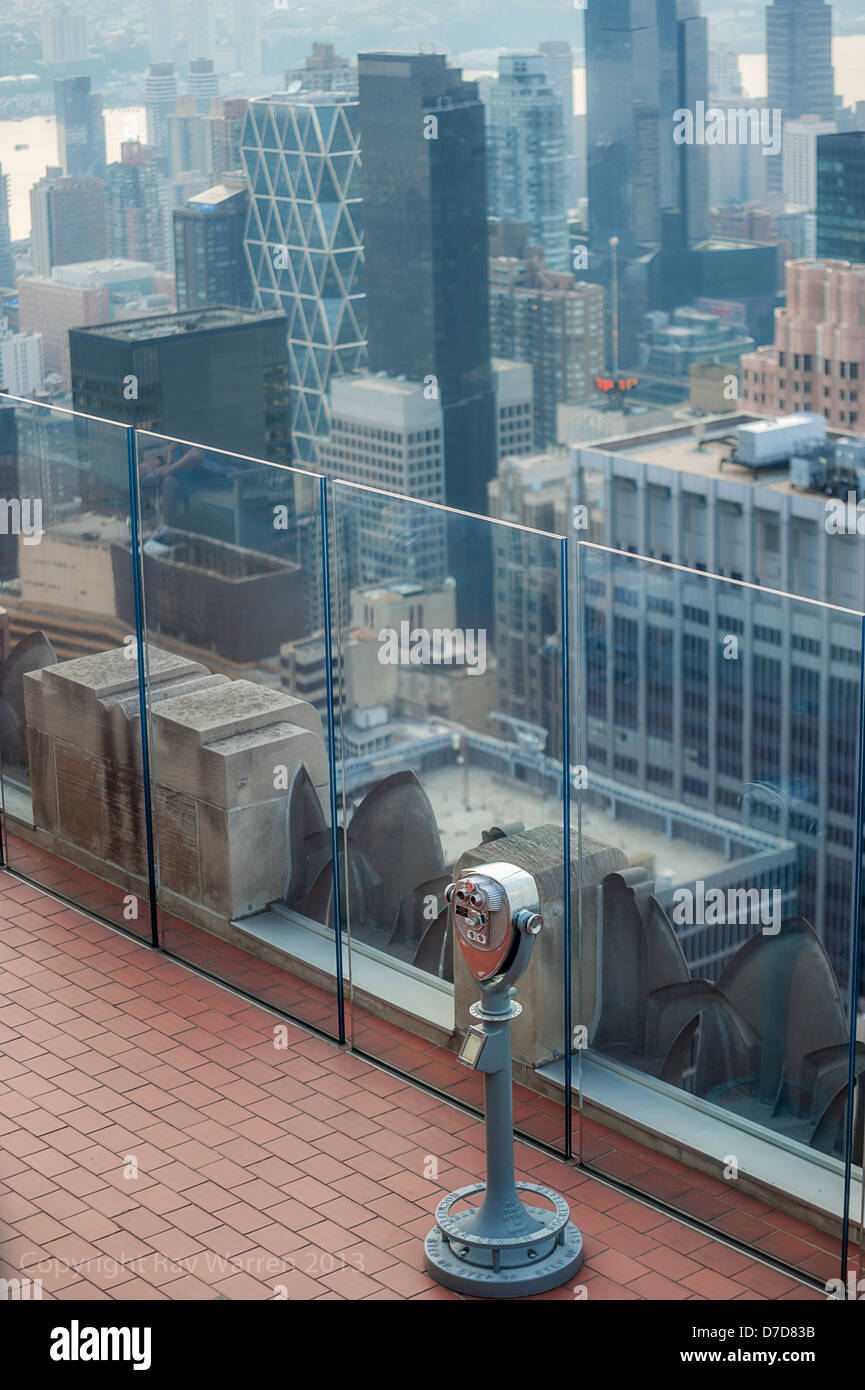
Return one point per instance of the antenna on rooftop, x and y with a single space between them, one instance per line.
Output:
614 304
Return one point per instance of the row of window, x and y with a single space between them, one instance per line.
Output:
803 362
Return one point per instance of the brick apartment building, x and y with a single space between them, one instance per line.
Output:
817 362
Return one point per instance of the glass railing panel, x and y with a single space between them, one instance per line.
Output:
232 562
70 741
451 726
719 810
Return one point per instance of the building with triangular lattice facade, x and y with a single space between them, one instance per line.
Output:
304 243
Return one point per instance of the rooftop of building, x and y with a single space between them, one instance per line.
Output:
535 469
398 590
100 272
719 243
212 197
704 448
377 399
184 322
303 97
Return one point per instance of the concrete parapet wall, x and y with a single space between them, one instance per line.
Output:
539 1033
223 754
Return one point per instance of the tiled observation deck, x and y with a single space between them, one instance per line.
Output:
154 1143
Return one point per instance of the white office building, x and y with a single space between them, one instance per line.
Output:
515 421
387 433
800 159
22 370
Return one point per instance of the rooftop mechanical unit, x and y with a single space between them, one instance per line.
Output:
836 469
772 442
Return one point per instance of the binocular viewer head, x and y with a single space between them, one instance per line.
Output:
495 915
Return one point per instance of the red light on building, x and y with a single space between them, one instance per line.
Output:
624 383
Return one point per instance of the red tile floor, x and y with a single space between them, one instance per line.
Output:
156 1144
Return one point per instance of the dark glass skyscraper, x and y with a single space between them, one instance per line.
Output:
628 87
841 196
216 376
427 276
801 80
209 259
645 60
692 52
80 128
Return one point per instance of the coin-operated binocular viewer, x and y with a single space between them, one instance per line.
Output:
504 1248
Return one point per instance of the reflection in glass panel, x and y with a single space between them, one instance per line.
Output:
237 691
451 757
720 738
70 729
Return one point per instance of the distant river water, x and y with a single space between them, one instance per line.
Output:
848 56
38 135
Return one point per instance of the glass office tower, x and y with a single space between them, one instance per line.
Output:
526 147
425 224
304 243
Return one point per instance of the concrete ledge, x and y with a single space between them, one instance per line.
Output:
668 1121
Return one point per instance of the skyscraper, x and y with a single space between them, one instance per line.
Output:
559 64
625 101
817 362
800 159
304 243
80 128
64 35
801 80
68 221
645 60
692 49
387 434
556 324
188 139
225 126
160 100
22 369
209 261
7 265
426 238
841 196
203 84
136 196
323 71
217 376
526 148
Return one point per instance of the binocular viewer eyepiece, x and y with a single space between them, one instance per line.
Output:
504 1248
495 914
